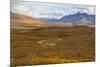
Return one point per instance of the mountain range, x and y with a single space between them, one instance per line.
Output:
19 20
76 18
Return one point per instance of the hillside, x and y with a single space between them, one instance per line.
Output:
22 20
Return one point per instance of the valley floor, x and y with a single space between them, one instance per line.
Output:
52 45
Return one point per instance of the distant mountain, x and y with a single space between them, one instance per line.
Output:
76 18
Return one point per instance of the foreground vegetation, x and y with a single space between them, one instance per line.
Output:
52 45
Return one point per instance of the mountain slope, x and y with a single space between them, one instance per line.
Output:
22 20
76 18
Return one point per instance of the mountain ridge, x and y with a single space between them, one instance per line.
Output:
75 18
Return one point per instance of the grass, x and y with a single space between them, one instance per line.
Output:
73 44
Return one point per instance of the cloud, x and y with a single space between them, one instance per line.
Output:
49 10
91 10
20 9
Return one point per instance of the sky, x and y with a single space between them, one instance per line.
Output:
49 10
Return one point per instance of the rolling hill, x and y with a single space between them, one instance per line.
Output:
19 20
